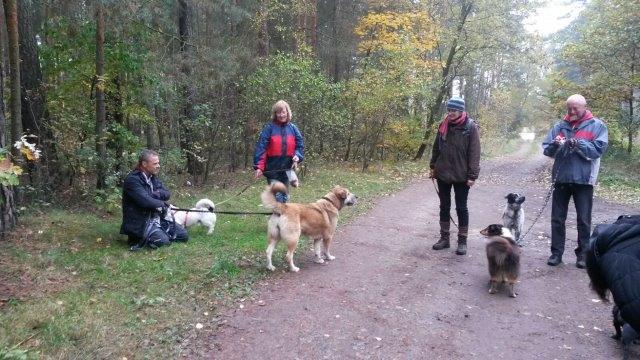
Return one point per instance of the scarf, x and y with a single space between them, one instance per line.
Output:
444 125
573 123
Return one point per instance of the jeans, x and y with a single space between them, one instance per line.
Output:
461 191
583 199
280 196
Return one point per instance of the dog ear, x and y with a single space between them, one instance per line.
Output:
340 192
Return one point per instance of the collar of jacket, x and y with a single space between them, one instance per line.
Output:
582 125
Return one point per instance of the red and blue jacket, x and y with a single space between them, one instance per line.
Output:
579 164
275 149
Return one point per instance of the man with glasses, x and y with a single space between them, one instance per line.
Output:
576 143
455 163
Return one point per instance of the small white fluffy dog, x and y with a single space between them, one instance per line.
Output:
190 218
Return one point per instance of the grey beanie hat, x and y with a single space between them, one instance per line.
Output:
456 103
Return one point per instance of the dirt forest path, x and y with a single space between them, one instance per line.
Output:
389 296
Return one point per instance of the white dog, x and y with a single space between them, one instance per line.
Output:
204 216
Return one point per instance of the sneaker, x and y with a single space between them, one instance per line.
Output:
554 260
580 263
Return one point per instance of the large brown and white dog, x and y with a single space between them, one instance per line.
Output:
316 220
503 255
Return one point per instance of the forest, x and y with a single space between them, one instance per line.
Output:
89 83
86 84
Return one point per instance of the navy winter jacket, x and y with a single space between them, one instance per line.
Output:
580 164
139 202
617 251
276 146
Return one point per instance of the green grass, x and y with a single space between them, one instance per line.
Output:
80 293
619 177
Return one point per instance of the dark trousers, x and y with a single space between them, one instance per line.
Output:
280 196
461 191
583 200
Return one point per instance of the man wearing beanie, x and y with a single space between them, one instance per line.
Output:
455 163
576 143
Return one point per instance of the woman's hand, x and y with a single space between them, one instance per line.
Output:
470 183
258 173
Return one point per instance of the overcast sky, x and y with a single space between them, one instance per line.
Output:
553 16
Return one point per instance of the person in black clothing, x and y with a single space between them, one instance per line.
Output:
144 201
455 164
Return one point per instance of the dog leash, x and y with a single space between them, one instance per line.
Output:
544 205
224 212
438 192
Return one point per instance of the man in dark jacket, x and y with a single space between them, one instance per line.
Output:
613 264
576 143
144 200
455 162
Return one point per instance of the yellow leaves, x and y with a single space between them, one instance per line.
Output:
393 31
29 154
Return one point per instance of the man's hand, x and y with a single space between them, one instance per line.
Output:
296 158
559 139
470 183
258 173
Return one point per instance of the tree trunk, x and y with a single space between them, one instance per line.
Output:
101 148
314 26
434 109
335 40
632 126
263 33
30 72
188 88
116 111
7 204
11 13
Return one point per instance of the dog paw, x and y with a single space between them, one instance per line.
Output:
513 295
330 257
271 267
295 269
492 291
319 260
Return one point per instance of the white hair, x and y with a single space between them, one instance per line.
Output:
576 99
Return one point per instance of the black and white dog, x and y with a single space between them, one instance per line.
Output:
513 216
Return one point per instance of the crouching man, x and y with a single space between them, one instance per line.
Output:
144 201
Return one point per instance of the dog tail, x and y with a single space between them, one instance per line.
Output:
205 204
268 197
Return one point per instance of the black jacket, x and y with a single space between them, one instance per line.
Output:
617 251
139 203
456 159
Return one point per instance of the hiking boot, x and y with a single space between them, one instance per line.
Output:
444 242
462 241
554 260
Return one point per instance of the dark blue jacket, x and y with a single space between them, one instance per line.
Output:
617 252
578 165
276 146
139 203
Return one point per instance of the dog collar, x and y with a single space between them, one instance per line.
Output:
329 200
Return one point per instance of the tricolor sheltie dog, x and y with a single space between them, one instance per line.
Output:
503 255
